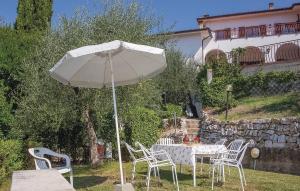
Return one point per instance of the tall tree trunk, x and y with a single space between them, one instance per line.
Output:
92 137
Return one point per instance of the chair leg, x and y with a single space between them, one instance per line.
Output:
154 172
71 177
241 166
148 178
133 172
241 178
213 177
173 175
223 173
201 170
176 179
158 174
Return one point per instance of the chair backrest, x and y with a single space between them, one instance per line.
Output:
149 158
221 142
165 141
37 153
234 148
130 150
242 152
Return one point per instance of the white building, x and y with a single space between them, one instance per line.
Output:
270 37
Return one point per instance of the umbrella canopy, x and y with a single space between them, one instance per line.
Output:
89 66
112 64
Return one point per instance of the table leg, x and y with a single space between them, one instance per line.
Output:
194 174
180 169
194 170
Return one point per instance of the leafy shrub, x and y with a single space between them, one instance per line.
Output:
142 125
179 78
11 157
243 84
170 109
214 94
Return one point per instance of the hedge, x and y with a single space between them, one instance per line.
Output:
142 125
11 157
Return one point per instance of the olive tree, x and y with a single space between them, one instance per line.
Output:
48 109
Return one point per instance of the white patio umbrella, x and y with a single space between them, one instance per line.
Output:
109 64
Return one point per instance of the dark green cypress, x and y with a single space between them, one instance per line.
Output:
34 15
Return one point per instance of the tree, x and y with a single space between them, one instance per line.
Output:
6 117
179 79
34 15
49 108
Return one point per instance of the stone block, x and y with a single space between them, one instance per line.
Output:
292 139
274 138
278 145
268 144
281 139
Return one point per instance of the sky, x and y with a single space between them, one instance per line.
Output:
180 13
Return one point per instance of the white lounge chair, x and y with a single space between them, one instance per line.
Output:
156 160
43 163
233 158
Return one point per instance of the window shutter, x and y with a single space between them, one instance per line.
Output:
241 32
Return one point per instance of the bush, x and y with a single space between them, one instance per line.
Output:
179 78
170 109
244 84
214 94
142 125
11 157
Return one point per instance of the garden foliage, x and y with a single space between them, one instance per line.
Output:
142 125
11 157
34 15
214 94
63 117
179 78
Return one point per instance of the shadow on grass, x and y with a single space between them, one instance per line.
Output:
88 181
292 103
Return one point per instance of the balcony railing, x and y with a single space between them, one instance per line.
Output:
288 51
258 31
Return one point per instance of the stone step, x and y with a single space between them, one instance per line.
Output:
192 123
193 130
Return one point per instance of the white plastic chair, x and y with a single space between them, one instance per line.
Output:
158 159
233 158
135 158
43 163
165 141
220 142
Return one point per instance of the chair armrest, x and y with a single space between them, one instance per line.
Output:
59 155
161 153
44 159
138 151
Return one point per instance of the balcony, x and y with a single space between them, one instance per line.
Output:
283 56
258 31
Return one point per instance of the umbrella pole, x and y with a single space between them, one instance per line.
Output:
116 118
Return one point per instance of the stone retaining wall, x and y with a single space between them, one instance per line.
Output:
268 133
277 139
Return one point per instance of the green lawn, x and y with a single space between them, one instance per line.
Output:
286 105
104 177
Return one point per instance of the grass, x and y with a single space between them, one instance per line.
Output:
286 105
104 178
